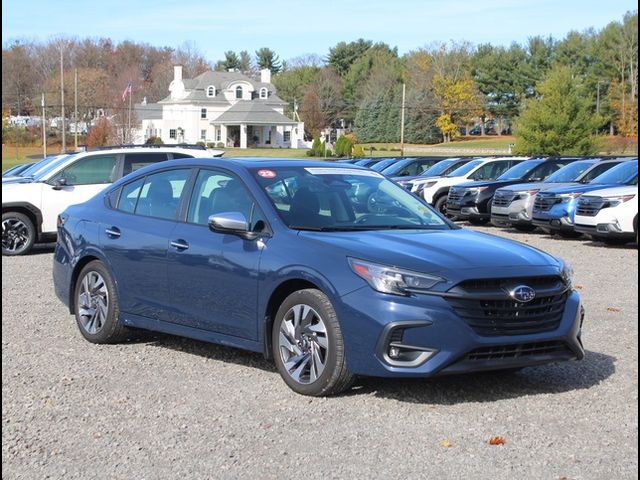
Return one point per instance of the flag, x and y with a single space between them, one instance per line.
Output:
127 91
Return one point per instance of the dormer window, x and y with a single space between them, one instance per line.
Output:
238 91
263 92
211 91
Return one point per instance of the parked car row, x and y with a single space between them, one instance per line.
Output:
553 194
33 198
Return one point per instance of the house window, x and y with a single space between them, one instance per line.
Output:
218 134
211 91
172 133
203 134
238 91
287 136
203 113
263 92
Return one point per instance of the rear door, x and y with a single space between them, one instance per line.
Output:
135 238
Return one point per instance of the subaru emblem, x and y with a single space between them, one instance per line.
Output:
523 293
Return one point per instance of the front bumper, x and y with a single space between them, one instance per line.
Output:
517 213
557 219
431 325
604 230
466 211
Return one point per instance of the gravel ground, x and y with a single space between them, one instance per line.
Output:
165 407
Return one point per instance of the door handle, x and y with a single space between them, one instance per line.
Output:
113 232
179 244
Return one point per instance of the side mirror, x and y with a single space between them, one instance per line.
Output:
234 223
60 183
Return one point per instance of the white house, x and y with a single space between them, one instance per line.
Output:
227 109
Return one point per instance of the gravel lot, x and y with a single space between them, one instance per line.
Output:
165 407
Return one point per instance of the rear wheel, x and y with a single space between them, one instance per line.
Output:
307 345
18 234
96 305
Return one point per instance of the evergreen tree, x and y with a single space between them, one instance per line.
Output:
266 58
559 121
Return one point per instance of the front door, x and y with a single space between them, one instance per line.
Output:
213 277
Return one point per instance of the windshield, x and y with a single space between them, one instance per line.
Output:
623 173
27 172
442 167
344 199
396 167
464 169
47 165
569 173
518 171
367 162
378 167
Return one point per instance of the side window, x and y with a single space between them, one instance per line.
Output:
498 168
129 196
135 161
97 169
218 192
483 172
180 155
596 171
160 194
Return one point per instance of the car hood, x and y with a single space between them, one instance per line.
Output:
435 251
518 187
582 187
615 191
17 180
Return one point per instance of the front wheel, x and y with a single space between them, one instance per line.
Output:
18 234
308 347
96 305
441 205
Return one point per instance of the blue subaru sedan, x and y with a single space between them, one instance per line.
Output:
272 256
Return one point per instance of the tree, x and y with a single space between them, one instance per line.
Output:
245 64
344 54
311 114
230 62
100 135
559 121
292 84
266 58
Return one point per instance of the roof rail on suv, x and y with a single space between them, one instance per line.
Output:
160 145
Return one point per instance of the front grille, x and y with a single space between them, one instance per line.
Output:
544 202
487 307
503 199
455 195
589 206
501 352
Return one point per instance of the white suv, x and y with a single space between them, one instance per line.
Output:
610 214
435 189
31 206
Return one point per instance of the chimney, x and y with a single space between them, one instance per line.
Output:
265 75
177 72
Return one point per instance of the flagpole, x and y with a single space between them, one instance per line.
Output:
129 121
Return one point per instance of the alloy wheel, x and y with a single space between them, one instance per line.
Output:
93 302
303 344
15 235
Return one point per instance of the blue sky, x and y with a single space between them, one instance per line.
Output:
293 28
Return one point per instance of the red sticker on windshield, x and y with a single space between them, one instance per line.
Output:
267 173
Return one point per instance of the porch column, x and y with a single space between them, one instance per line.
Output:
223 134
243 135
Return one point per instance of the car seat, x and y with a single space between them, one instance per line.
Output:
305 209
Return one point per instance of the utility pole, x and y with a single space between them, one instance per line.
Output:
64 138
75 110
128 135
44 129
402 122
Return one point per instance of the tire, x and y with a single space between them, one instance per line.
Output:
96 305
441 205
569 234
307 345
18 234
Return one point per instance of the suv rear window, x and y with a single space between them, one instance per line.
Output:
136 161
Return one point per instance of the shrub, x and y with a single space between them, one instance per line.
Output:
201 144
101 134
344 146
219 145
153 141
357 151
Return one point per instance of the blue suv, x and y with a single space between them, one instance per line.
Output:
272 256
554 209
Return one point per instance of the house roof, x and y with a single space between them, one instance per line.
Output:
196 88
255 112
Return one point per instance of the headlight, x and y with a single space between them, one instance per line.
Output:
391 279
567 197
475 191
610 202
566 273
526 194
